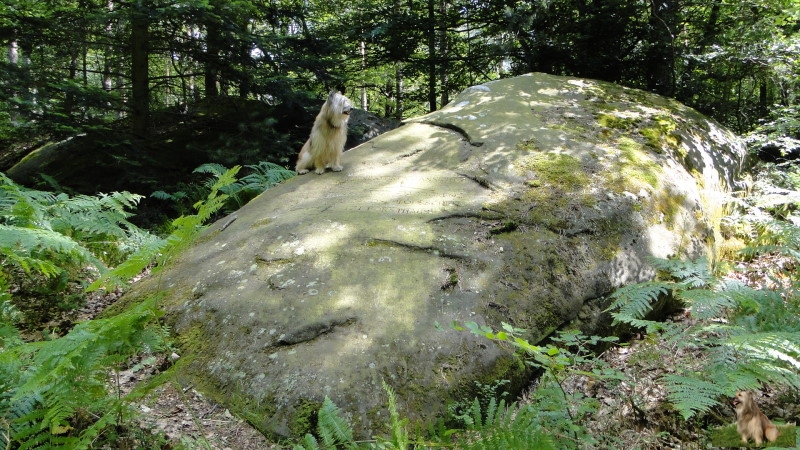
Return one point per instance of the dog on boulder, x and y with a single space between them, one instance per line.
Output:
324 147
751 422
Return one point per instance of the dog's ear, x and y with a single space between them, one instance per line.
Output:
333 94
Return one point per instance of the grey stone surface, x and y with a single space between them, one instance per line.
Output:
522 201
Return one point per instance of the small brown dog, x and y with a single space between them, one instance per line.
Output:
328 135
751 422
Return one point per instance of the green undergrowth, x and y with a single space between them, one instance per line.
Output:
493 426
728 437
555 418
64 391
730 345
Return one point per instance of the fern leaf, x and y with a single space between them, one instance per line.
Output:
332 428
400 439
31 245
775 354
510 428
633 302
211 168
265 175
705 303
691 395
309 443
147 253
492 412
694 274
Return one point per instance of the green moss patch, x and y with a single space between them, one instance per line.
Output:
304 419
728 437
614 121
554 170
634 168
661 133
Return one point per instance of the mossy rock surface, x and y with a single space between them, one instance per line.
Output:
525 201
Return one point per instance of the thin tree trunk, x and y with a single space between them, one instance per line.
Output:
661 56
398 79
13 53
431 31
213 38
363 46
444 49
140 70
13 59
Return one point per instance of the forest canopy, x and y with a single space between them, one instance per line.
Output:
78 65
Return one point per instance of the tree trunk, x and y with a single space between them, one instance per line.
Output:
140 69
108 52
431 32
213 44
363 47
444 49
661 56
13 53
398 79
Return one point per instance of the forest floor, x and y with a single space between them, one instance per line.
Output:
634 411
181 415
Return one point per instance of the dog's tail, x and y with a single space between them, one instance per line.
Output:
772 433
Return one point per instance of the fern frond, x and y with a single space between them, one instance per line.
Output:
309 443
31 246
22 207
400 439
705 303
333 429
505 427
691 395
211 168
766 310
149 251
71 372
265 175
690 273
632 303
101 215
775 234
672 333
206 209
776 354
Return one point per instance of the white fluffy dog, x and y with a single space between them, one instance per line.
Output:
325 145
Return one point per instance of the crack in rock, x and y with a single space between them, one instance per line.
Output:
455 128
427 249
312 331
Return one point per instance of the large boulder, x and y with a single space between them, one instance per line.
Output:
526 200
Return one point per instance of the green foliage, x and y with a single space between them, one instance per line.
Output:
485 393
739 340
49 243
717 56
555 410
156 251
332 429
261 176
632 303
496 426
398 439
56 392
728 437
500 426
